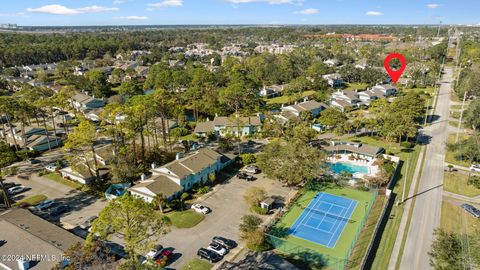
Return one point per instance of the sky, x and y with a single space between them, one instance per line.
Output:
184 12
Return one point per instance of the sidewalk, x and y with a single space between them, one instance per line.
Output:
461 197
406 211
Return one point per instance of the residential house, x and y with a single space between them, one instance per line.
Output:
311 106
271 91
32 241
265 260
377 92
334 80
222 125
181 174
343 99
82 101
93 114
83 173
32 138
360 150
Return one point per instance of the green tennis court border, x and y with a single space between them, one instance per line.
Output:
334 258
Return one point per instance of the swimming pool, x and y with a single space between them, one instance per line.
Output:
339 167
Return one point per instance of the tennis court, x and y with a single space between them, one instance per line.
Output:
324 219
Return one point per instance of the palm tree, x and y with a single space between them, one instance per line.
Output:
183 198
159 201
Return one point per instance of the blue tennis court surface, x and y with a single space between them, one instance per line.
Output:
324 219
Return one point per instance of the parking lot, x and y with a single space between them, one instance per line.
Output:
82 205
228 206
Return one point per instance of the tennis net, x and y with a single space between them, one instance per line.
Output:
329 215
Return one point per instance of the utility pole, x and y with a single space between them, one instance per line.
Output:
461 116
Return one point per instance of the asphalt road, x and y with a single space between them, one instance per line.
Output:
427 208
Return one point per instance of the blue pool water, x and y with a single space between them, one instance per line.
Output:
339 167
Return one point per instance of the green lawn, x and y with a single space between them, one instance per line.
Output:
197 264
457 183
287 99
32 200
185 219
189 137
450 155
428 89
358 86
59 179
455 219
344 243
367 233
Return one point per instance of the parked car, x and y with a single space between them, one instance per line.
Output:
242 175
471 209
7 185
208 255
88 223
217 248
200 208
45 205
251 169
34 161
152 254
475 168
53 167
16 190
224 242
164 257
59 210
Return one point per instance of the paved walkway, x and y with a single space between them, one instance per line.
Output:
475 199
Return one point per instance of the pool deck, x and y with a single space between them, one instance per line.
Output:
373 169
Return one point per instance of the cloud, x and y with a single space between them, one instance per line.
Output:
167 3
18 14
270 2
308 11
374 13
63 10
433 5
118 2
133 18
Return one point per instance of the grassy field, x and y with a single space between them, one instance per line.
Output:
288 99
185 219
450 156
457 183
344 242
455 219
428 89
366 235
59 179
197 264
32 200
358 86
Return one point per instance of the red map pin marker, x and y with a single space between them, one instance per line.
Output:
394 74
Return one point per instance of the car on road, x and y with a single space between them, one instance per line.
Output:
217 248
200 208
16 190
88 223
34 161
475 168
224 242
208 255
245 176
251 169
153 254
59 210
45 205
471 209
